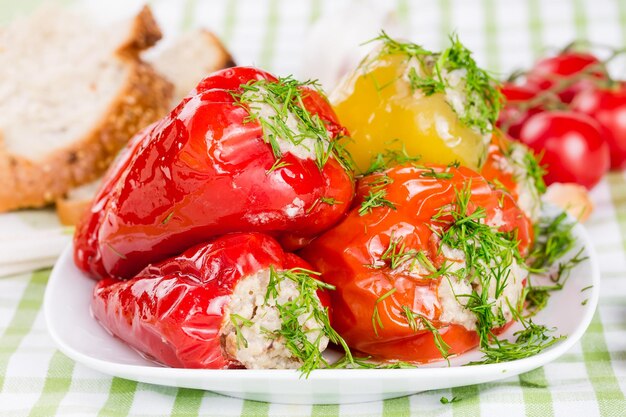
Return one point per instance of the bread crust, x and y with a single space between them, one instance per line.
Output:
143 34
143 99
71 211
227 60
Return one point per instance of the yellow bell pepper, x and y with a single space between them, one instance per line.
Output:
384 112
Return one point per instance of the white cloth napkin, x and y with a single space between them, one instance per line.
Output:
31 239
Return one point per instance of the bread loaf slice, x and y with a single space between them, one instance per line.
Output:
189 58
184 62
72 93
71 208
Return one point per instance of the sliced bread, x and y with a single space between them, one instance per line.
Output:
71 207
72 93
184 62
189 58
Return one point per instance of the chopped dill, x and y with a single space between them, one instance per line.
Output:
285 97
305 304
423 260
554 239
239 321
323 200
396 253
366 363
377 195
537 296
431 173
279 163
427 85
483 98
534 171
532 339
391 157
168 218
375 199
412 317
445 400
489 254
376 320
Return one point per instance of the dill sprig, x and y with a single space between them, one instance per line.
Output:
377 195
535 172
375 199
489 255
376 320
238 322
290 121
307 305
390 158
431 173
331 201
529 169
554 239
532 339
537 296
412 319
397 253
367 363
483 98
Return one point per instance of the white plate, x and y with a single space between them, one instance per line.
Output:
80 337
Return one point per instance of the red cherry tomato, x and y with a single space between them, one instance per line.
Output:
572 145
608 108
517 109
549 71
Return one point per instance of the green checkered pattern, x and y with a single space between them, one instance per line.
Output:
37 380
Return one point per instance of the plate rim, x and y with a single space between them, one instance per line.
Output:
509 368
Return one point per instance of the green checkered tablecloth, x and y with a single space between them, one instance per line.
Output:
36 379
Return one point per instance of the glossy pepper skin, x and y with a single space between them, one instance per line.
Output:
203 171
172 311
497 167
345 255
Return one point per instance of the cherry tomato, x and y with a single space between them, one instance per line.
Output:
572 144
608 107
517 108
548 72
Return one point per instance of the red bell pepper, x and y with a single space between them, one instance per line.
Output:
174 312
388 263
217 164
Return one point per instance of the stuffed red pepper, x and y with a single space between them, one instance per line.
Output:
245 151
428 263
237 301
